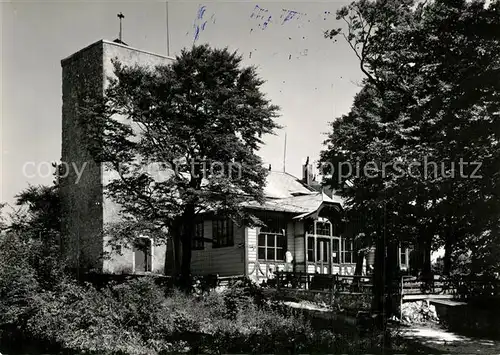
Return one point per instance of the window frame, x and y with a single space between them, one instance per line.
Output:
225 238
351 251
404 250
274 247
311 251
324 223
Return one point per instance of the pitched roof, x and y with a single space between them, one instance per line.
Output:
283 185
283 193
286 193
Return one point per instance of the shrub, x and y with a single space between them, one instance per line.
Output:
240 320
18 284
83 319
139 300
136 317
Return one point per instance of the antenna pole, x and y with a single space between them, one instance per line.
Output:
120 16
168 32
284 156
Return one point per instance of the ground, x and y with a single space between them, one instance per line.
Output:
427 336
436 339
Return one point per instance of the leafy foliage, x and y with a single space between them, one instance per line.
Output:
39 213
117 320
18 283
36 224
428 97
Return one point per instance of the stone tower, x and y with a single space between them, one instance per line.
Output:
85 208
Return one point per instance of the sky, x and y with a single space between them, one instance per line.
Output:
312 79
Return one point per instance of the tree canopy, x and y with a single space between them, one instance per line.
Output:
427 117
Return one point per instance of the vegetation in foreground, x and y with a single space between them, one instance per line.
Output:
140 317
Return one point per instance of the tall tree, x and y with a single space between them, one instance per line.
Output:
35 227
38 212
202 118
430 92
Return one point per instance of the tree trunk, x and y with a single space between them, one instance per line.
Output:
359 263
185 267
176 254
187 230
414 261
447 257
419 257
427 265
448 245
378 275
385 271
391 274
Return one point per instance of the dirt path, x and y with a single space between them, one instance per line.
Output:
442 341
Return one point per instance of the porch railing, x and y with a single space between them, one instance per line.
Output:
323 282
459 286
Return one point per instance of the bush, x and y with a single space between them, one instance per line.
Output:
83 319
44 257
249 328
137 317
18 284
140 301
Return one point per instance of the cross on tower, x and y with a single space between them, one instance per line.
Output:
120 16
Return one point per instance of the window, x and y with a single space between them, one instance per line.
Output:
323 249
272 246
349 256
222 233
310 249
323 228
197 243
403 255
335 251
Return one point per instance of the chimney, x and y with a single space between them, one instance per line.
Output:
307 175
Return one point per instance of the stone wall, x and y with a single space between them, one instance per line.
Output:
81 198
86 209
479 319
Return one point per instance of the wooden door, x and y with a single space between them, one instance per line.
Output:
142 255
323 256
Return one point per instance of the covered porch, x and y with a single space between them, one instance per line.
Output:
327 251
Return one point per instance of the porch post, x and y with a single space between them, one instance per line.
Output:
315 251
330 254
306 251
315 243
399 255
321 250
341 242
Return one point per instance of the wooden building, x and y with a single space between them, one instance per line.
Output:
302 231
